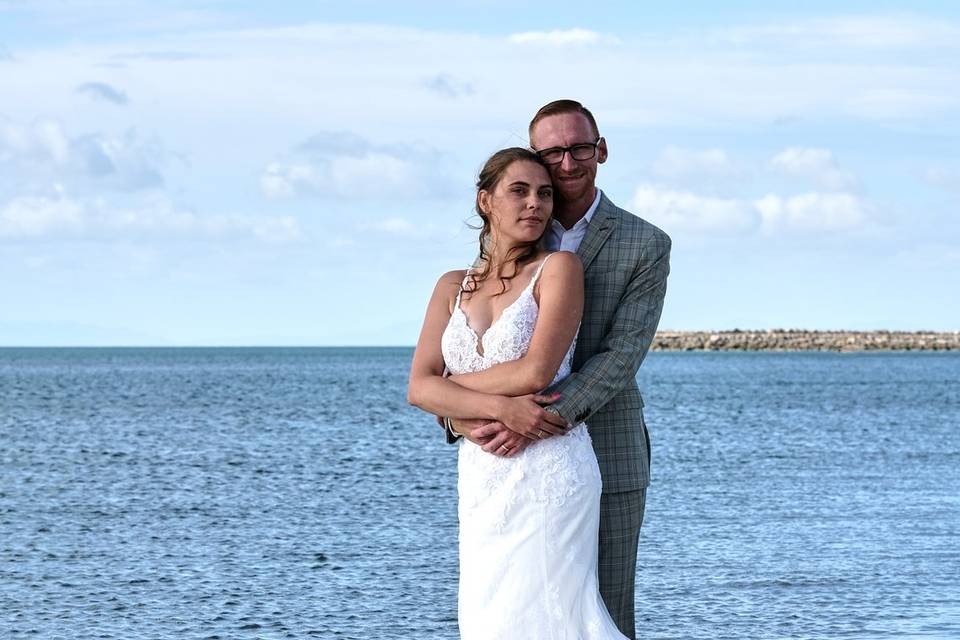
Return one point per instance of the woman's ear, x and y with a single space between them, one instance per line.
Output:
483 201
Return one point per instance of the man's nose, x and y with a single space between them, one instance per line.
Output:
567 163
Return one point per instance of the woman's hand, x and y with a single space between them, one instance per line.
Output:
526 416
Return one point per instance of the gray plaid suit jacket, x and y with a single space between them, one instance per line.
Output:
626 261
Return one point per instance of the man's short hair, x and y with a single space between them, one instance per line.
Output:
563 106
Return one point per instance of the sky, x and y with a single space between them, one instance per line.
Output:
223 173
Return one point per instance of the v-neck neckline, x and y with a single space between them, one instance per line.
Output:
479 347
478 337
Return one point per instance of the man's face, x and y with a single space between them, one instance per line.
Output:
572 179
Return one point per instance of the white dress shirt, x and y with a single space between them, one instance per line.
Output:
560 239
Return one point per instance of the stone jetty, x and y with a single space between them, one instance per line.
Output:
803 340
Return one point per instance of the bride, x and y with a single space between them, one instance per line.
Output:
505 330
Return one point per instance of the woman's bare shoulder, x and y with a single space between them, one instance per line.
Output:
452 278
563 263
448 286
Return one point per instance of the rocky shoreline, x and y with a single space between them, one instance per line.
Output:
802 340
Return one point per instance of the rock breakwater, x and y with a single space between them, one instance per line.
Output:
802 340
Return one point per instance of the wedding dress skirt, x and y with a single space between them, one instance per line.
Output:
529 523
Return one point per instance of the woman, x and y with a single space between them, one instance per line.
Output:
505 330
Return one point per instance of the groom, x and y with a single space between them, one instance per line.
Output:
626 261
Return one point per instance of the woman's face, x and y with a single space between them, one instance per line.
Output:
519 206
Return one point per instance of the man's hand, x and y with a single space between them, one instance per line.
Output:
491 436
466 428
494 437
499 440
526 416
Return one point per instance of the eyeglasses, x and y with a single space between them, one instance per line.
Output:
582 151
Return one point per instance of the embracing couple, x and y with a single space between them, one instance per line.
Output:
529 358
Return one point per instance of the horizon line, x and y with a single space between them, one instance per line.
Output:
410 346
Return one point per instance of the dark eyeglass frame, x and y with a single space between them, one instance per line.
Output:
580 147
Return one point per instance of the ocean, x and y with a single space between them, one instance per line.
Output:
293 493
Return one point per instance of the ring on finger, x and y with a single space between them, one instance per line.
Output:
540 433
505 448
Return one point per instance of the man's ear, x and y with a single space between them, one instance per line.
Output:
602 151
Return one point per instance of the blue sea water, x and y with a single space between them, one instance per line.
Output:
292 493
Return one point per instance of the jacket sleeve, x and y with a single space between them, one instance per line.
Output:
452 436
614 366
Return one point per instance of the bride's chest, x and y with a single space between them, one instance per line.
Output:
507 338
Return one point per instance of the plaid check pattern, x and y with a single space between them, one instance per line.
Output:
621 515
626 262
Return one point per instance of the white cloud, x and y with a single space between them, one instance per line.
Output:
687 211
64 217
43 141
818 165
943 177
661 80
43 152
861 31
344 165
835 208
160 56
448 86
123 162
394 226
812 211
683 210
103 92
376 174
676 162
35 216
114 17
400 227
562 37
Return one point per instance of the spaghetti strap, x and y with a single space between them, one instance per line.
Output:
463 283
529 287
536 275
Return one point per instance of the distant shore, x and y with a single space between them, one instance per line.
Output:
802 340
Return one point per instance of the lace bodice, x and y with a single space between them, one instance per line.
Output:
508 338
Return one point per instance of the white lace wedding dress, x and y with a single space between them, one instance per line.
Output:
528 524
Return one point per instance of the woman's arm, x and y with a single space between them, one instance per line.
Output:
561 306
429 390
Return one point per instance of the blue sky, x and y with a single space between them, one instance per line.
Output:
213 173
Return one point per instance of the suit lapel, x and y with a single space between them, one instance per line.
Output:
600 227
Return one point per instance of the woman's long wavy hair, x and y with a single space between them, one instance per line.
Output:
490 176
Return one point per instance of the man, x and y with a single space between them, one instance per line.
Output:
626 263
